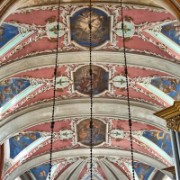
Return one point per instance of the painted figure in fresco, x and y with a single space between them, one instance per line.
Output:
84 132
1 33
82 80
80 27
161 139
143 170
10 88
42 173
172 31
18 143
168 86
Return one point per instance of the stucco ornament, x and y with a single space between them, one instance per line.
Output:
128 27
53 28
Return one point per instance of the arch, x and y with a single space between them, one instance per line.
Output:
141 112
85 152
83 57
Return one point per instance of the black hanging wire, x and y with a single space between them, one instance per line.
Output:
54 91
127 90
91 90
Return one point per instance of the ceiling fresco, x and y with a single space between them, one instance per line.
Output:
161 139
41 172
74 133
82 80
172 31
7 32
30 33
143 170
73 82
168 86
11 88
100 24
84 134
43 31
20 142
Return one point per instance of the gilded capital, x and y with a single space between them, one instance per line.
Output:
171 115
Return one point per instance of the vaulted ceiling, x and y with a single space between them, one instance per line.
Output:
28 41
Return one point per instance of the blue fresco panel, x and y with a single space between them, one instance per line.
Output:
172 31
169 86
20 142
41 172
161 139
7 32
10 88
143 171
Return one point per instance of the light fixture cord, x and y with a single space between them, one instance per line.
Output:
91 90
128 94
54 91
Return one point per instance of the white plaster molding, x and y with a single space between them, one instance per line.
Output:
159 93
85 153
67 173
152 174
78 170
115 170
42 113
129 167
83 57
107 171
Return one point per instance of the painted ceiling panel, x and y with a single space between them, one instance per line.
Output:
172 31
161 139
143 170
20 142
10 88
7 32
41 172
37 36
43 41
168 86
73 82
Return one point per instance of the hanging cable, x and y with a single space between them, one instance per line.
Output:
91 90
127 90
54 91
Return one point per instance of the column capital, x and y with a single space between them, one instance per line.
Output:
171 115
